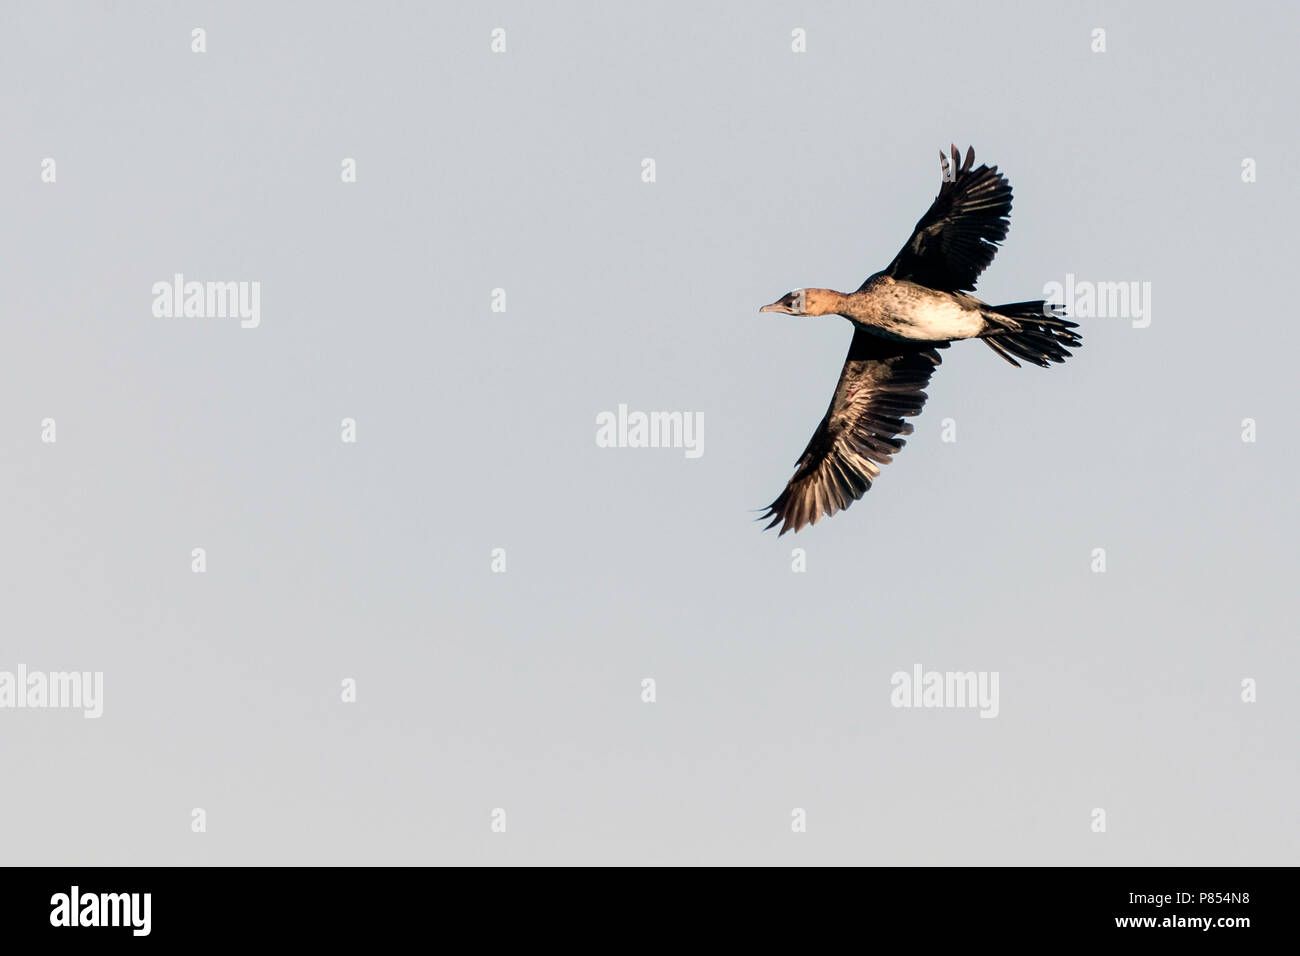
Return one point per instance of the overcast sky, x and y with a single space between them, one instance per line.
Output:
372 561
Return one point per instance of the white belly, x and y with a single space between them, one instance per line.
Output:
907 311
943 319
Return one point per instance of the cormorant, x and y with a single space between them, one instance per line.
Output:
901 317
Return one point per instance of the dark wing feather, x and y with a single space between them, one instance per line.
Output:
881 384
957 237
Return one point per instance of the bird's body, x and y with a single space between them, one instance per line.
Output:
898 309
902 316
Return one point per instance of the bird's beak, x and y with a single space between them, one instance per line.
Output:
774 307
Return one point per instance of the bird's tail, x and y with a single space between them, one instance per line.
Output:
1036 332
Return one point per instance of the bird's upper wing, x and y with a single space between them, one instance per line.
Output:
881 384
957 237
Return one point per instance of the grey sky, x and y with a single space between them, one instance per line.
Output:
476 430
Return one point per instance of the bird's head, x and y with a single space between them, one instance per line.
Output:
805 302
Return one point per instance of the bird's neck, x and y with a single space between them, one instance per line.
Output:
822 301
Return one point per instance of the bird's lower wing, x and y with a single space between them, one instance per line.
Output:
881 384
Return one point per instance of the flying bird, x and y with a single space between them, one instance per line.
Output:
902 316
